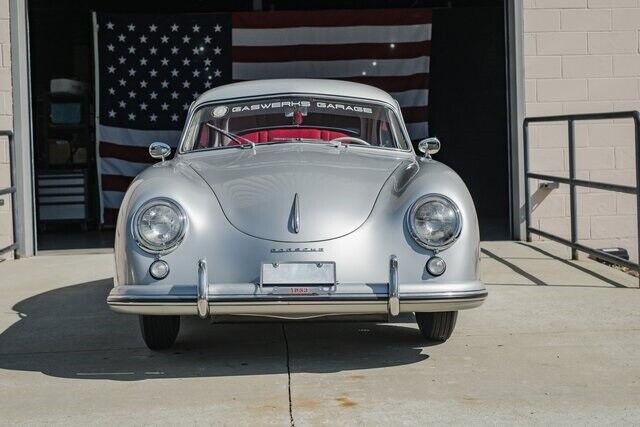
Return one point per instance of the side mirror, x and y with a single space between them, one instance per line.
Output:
429 146
159 150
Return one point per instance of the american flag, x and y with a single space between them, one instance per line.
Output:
150 68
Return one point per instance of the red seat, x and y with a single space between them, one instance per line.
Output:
291 133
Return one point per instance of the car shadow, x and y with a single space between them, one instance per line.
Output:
71 333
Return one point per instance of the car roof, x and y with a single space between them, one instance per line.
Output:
256 88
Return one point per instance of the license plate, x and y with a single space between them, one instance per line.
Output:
298 276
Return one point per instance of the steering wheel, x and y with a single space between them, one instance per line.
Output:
350 140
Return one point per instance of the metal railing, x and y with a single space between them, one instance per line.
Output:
573 182
12 187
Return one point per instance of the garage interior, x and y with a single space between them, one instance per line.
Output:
468 104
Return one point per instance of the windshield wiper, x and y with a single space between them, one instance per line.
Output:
243 142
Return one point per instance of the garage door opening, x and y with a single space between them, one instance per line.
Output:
467 105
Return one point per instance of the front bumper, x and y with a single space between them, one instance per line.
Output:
250 299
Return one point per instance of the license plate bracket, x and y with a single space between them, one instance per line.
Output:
291 274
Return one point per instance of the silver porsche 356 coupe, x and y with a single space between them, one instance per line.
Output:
296 199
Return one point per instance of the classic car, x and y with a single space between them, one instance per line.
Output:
296 199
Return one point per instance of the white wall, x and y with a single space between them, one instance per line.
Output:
584 56
6 123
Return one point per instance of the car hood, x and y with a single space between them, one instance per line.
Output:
336 187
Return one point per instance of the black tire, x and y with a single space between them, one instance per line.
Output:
159 332
437 326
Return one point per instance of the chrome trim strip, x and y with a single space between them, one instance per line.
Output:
394 301
296 214
203 289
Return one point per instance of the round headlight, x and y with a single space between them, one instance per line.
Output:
435 222
159 225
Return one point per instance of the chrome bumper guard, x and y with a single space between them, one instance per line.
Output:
203 289
394 300
143 300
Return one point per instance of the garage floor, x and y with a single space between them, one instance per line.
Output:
556 342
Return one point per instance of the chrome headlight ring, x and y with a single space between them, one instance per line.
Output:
420 239
171 243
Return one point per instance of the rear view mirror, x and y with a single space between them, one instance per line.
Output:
429 146
159 150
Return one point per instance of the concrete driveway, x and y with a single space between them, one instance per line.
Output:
557 342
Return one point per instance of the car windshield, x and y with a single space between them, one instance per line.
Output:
293 119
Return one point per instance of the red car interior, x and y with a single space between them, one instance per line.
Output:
274 135
291 133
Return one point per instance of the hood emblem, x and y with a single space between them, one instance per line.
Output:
294 218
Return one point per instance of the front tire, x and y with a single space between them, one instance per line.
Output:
159 332
437 327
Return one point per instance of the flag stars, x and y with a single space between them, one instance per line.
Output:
110 25
142 91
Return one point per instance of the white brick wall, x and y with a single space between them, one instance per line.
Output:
584 56
6 122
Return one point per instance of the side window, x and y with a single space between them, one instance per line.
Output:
385 136
396 129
